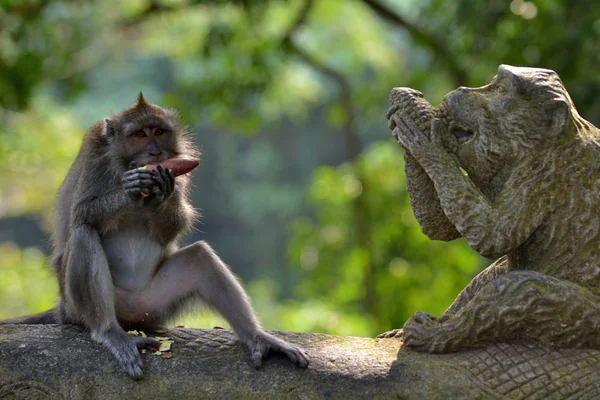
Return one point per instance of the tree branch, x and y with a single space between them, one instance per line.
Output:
459 74
353 150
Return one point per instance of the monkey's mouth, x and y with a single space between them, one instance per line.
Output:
461 134
460 131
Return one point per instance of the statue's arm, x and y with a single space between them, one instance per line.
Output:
425 202
491 228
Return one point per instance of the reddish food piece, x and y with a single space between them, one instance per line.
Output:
178 166
166 354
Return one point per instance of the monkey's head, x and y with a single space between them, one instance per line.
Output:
521 111
144 133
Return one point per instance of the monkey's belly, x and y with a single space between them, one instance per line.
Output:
132 256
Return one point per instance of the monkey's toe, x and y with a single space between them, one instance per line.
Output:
395 333
257 357
145 342
302 358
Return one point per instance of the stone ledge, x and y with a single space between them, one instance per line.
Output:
51 361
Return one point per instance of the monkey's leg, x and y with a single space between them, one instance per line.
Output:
492 272
90 299
196 272
517 305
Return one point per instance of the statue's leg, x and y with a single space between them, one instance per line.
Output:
494 271
517 305
498 268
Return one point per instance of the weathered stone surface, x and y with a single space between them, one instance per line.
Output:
512 168
61 362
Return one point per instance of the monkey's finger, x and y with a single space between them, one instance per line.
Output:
393 122
134 370
134 181
165 186
391 334
171 179
391 111
403 133
137 173
144 342
138 183
434 135
292 356
408 122
303 358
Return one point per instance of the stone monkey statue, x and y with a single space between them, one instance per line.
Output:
115 242
530 197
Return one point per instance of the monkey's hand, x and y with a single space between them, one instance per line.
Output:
125 348
421 147
137 183
163 184
263 342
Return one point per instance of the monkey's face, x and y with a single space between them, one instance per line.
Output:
144 134
147 143
489 122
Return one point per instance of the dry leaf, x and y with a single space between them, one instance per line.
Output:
165 346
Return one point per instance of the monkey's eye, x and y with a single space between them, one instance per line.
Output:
158 132
140 134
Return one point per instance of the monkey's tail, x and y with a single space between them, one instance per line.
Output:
43 318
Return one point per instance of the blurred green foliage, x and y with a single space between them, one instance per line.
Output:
287 100
411 272
19 291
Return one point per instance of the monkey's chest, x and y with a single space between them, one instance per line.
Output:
133 257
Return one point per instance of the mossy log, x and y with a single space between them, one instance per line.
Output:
62 362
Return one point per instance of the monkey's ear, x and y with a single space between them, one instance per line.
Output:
108 133
141 101
558 116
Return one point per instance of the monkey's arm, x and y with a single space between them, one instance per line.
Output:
94 209
423 198
425 202
491 228
89 298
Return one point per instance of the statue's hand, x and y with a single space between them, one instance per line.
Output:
414 140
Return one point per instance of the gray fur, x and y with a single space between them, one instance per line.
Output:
116 251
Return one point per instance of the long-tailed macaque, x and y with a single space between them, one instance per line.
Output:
115 242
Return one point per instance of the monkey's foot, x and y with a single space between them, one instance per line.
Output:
263 342
394 333
426 333
125 348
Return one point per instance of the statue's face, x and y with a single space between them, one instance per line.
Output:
485 121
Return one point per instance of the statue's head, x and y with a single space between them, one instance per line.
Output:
522 110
